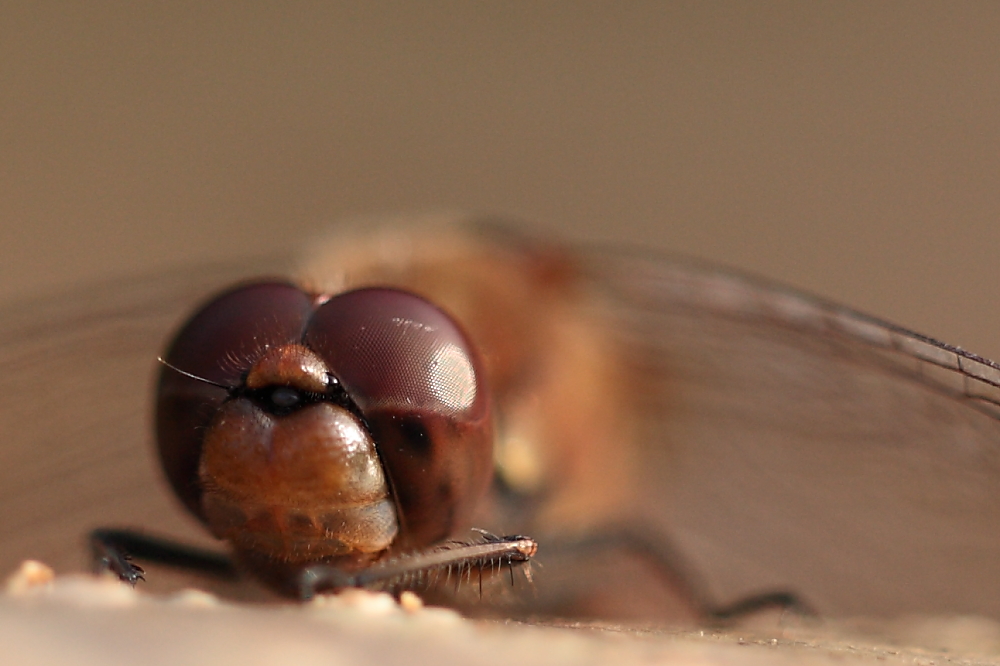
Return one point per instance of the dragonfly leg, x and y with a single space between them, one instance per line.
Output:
673 569
403 572
114 550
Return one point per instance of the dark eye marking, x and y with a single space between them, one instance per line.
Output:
415 435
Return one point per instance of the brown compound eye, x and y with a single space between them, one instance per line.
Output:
219 343
418 382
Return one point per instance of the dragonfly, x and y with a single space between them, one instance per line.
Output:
649 410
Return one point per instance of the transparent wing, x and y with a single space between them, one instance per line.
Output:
76 375
790 443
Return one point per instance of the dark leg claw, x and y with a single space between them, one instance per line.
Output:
108 557
113 549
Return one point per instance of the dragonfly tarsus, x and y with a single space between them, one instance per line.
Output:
786 601
114 549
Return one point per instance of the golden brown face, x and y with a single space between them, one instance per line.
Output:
335 428
302 486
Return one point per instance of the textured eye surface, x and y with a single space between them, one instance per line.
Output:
416 378
237 326
394 350
217 343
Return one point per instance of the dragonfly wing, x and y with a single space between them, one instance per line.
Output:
782 442
790 443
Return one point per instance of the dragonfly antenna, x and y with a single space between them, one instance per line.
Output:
195 377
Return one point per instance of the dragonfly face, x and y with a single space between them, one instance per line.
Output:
337 429
773 441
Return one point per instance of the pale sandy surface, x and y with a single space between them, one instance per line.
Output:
84 620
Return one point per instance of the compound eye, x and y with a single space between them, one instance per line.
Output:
394 350
414 374
219 343
227 334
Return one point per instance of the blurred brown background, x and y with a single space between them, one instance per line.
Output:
847 148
